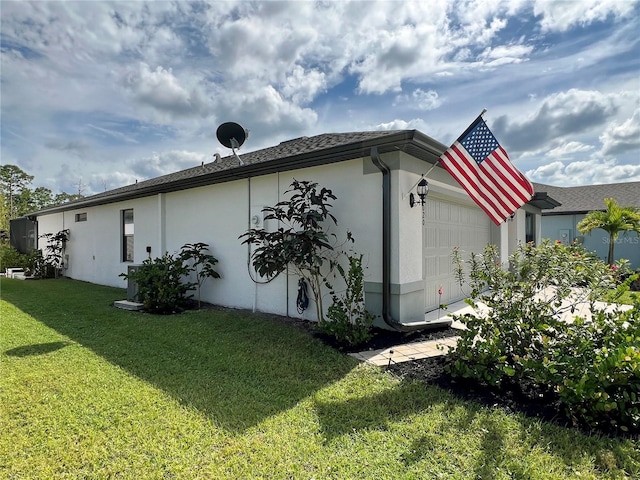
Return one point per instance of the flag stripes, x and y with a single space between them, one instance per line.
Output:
493 183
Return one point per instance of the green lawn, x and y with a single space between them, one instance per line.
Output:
90 391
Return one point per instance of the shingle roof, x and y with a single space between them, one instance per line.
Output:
287 155
590 197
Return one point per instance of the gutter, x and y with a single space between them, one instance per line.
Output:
386 255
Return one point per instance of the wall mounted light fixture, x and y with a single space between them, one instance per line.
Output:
422 189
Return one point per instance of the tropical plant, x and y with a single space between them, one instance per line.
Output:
347 318
591 363
160 286
300 241
614 220
201 263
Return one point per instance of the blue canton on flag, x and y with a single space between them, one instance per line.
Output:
479 142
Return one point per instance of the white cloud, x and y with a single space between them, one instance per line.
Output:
302 86
569 148
590 172
619 138
561 15
161 90
415 124
560 116
420 100
166 162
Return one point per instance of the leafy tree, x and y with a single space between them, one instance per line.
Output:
65 197
613 220
300 241
13 181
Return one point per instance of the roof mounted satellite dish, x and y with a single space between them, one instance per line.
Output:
232 136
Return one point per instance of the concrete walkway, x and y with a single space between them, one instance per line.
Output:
418 350
406 353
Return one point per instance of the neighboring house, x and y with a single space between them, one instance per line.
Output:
561 222
407 250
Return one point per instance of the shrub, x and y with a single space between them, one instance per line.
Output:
10 257
160 286
595 368
348 320
591 364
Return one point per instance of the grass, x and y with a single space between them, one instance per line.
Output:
90 391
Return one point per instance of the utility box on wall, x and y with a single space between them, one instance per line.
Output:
132 286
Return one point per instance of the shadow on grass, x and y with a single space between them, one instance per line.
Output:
234 368
492 437
36 349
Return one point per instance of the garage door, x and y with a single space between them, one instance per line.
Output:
448 225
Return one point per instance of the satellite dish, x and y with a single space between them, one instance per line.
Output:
231 135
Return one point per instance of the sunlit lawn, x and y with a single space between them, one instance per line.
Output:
90 391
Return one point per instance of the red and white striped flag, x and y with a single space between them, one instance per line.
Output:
482 167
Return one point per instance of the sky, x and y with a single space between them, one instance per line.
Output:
96 95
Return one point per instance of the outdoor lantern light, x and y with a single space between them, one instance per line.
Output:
422 189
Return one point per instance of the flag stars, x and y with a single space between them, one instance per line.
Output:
480 142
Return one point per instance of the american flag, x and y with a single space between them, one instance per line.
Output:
482 167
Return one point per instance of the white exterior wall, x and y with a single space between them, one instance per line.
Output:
218 214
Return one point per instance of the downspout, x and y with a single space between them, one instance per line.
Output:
255 284
386 254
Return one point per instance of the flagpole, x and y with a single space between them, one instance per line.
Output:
484 110
475 122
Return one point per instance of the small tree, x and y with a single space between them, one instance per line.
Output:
202 265
613 220
56 243
300 241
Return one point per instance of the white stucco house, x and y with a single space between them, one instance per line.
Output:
407 250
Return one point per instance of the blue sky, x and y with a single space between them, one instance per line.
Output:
97 95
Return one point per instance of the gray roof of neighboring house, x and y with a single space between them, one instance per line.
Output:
287 155
590 197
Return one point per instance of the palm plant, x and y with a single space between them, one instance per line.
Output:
613 220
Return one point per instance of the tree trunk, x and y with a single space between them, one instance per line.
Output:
611 245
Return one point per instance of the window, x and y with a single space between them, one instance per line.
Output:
127 235
530 227
81 217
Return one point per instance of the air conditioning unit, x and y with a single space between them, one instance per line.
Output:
132 286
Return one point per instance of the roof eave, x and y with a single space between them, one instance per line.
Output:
542 200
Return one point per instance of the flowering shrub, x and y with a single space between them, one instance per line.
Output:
592 364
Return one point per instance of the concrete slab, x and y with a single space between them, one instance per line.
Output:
127 305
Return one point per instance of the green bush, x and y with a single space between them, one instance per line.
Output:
10 257
160 286
592 365
347 319
163 282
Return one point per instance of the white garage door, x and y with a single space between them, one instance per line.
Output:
448 225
